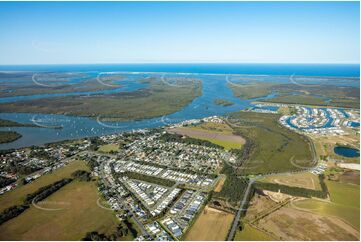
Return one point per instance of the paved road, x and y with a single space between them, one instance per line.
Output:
240 209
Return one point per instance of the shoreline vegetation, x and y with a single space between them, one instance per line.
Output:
158 99
318 95
223 102
9 136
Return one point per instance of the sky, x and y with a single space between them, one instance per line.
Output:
179 32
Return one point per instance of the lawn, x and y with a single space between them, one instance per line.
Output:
212 224
16 196
78 214
269 146
251 234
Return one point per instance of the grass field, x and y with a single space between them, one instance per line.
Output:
304 180
226 140
212 224
16 196
213 127
269 146
251 234
78 214
108 148
345 203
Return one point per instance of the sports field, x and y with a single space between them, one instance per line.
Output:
16 196
212 224
74 212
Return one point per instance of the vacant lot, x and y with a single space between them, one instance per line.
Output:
212 224
77 213
16 196
291 224
228 141
304 180
269 146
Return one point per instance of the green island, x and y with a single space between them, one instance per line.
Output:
223 102
9 136
320 95
156 100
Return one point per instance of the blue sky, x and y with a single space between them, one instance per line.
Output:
142 32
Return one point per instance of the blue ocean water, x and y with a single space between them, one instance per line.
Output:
346 70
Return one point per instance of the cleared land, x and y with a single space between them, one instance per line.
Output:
155 100
228 141
78 214
269 146
212 224
304 180
16 196
291 224
345 203
220 184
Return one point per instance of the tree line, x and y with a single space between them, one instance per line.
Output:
36 196
293 191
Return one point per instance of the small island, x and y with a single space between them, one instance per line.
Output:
223 102
9 136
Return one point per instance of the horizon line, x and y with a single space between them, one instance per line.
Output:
170 63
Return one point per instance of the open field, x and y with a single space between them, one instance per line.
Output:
304 180
269 147
108 148
292 224
228 141
213 127
77 214
251 234
345 203
212 224
16 196
153 101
